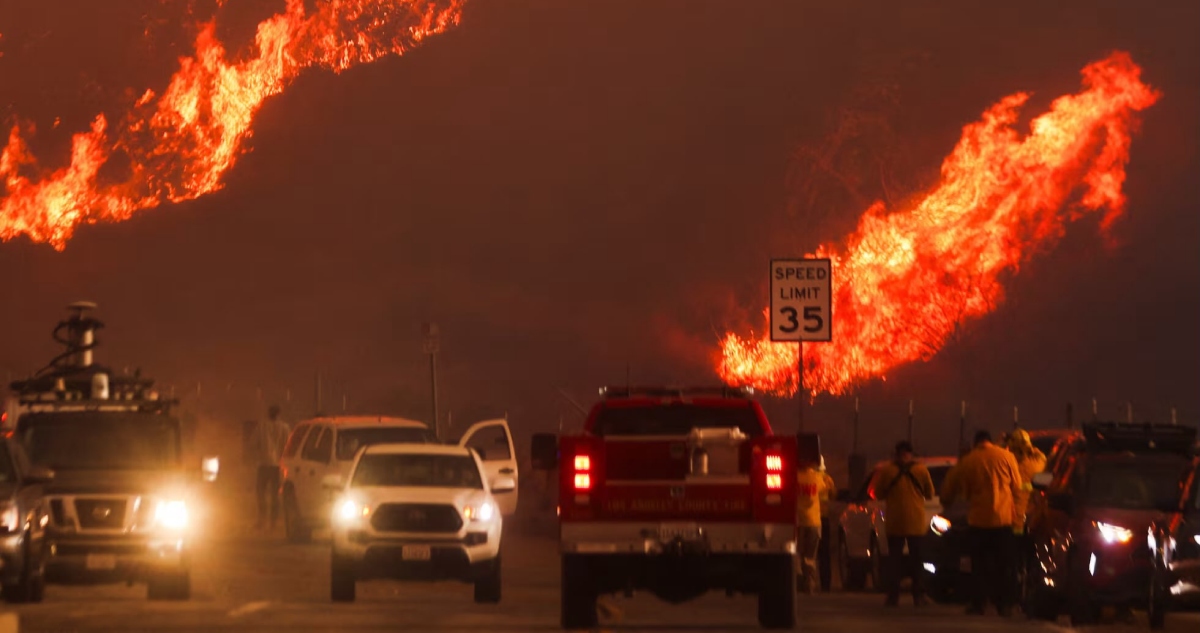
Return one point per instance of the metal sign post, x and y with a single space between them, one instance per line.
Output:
431 345
801 309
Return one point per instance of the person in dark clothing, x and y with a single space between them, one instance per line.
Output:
270 437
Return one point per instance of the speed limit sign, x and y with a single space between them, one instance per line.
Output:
800 300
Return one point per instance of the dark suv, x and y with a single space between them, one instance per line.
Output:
1174 542
1089 527
22 524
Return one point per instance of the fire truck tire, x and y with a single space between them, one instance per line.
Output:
342 579
777 595
170 585
295 527
32 584
487 589
578 593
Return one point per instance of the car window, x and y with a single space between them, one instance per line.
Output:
323 450
491 442
350 440
310 443
296 440
436 471
1132 485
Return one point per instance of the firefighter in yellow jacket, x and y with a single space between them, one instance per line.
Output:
1030 461
903 484
988 479
810 489
824 559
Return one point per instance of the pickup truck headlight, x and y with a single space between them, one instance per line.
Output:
1112 534
348 512
171 514
482 512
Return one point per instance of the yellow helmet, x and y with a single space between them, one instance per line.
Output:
1019 438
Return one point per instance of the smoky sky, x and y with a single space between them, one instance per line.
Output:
574 191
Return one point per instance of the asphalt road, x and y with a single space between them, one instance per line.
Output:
255 582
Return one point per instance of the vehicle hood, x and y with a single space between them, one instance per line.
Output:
115 481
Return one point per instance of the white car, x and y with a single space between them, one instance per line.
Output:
862 538
417 512
325 446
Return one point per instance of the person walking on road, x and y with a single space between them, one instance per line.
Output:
903 484
270 436
810 486
824 564
989 480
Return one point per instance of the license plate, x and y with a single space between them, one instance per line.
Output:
684 531
415 552
101 561
964 564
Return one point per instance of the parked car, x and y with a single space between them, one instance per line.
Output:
862 538
1089 529
23 518
1174 542
417 512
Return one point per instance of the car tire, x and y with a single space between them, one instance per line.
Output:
1038 603
31 586
1081 609
874 566
578 598
777 593
343 579
851 573
294 526
170 585
487 588
1156 609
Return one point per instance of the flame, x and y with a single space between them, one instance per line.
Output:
181 142
905 282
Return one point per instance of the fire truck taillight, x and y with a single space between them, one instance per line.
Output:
774 477
774 464
774 482
583 463
583 482
582 479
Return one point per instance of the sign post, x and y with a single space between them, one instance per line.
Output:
801 308
432 344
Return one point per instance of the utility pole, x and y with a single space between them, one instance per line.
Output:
962 426
910 419
317 393
800 383
432 345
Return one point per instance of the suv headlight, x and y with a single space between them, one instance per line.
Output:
1113 533
482 512
939 524
348 512
171 514
10 519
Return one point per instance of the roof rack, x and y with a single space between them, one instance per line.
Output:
676 392
1140 437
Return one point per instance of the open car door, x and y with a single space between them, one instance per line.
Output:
493 440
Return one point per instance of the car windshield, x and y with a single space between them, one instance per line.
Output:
350 440
100 440
432 471
1134 485
675 419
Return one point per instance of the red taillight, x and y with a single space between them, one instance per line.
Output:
774 482
583 474
583 481
774 467
583 463
774 464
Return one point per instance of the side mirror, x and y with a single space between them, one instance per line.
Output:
503 484
1060 501
1041 481
39 475
209 468
332 482
544 451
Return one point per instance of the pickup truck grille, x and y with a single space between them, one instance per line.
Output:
416 517
100 513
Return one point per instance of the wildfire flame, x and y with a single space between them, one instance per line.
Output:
905 281
181 142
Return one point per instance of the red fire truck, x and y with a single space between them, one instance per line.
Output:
676 492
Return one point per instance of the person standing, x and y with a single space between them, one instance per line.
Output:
903 484
809 488
989 480
1030 461
824 562
270 436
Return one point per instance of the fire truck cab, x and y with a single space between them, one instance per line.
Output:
120 505
676 492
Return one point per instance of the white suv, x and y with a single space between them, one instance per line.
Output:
325 446
417 512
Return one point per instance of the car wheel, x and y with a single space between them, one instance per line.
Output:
487 589
31 586
874 566
578 598
777 593
295 527
1157 607
342 578
1037 602
1080 606
170 585
852 573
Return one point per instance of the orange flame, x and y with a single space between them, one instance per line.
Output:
179 144
904 282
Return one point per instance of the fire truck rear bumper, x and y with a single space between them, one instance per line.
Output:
70 560
668 538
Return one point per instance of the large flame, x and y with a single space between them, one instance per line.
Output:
180 143
905 282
